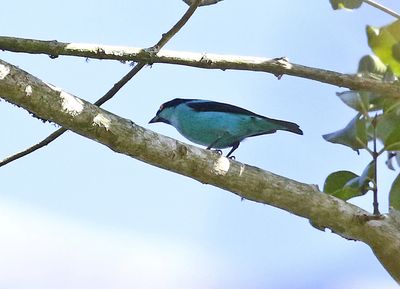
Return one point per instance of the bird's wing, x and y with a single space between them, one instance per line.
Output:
220 107
205 105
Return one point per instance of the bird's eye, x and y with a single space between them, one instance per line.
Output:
161 108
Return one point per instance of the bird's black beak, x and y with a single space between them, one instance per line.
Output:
155 119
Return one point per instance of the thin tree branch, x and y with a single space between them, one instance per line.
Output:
276 66
382 8
154 50
33 148
123 136
203 2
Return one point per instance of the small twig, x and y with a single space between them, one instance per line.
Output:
164 39
203 2
375 176
39 145
382 8
175 29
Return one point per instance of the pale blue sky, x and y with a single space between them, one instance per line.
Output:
77 215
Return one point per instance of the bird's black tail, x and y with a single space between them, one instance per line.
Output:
288 126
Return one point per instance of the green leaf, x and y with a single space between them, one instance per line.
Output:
348 192
356 100
361 183
346 185
394 194
384 41
388 129
371 64
354 135
345 4
336 181
392 142
396 51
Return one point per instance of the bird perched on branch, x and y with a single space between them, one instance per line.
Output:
217 125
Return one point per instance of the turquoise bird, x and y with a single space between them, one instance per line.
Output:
217 125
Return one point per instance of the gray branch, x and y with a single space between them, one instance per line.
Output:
123 136
203 2
276 66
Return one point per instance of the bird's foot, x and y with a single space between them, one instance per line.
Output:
217 151
232 157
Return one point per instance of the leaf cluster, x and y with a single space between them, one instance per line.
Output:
377 118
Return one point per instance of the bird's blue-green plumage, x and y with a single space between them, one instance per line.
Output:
217 125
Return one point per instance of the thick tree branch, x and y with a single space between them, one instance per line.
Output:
276 66
123 136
